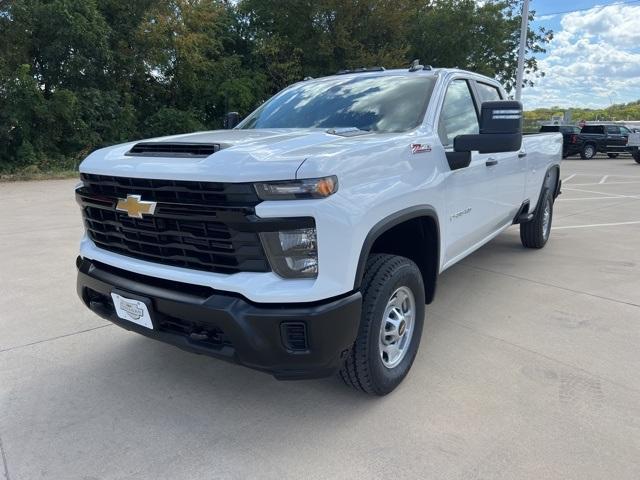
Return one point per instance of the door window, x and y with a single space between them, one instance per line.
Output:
488 93
613 130
458 115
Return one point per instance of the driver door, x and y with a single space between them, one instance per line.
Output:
469 191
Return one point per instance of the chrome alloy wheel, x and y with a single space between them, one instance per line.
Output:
546 219
589 151
397 327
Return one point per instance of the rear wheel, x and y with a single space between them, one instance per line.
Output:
535 233
588 152
390 327
612 155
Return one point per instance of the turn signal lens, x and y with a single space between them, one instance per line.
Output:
298 189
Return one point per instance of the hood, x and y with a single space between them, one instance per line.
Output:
245 155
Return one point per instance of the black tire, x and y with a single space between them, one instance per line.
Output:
534 234
636 155
612 155
588 151
364 368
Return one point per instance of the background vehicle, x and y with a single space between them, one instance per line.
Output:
633 144
307 240
609 139
570 145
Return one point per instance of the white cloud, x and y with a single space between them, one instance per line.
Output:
593 59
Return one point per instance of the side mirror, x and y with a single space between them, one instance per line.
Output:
231 119
500 129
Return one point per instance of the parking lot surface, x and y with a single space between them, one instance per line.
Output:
529 366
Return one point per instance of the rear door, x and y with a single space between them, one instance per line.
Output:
625 132
615 140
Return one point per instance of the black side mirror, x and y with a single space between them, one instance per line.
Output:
231 119
500 129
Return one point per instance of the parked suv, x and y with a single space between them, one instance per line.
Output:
606 138
307 240
570 145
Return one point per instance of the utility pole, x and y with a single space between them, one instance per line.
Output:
524 28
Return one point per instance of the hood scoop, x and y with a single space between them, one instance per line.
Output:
347 132
173 149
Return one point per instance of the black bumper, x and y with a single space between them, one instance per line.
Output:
290 341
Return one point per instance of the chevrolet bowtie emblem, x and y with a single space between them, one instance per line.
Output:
135 206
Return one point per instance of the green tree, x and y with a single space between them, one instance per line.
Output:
483 38
320 37
76 75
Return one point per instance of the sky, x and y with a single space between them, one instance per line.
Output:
594 58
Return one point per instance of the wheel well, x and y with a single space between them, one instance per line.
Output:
552 180
418 240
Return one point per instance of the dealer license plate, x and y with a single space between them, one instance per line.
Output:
132 310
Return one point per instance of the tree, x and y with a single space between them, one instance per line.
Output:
320 37
76 75
485 40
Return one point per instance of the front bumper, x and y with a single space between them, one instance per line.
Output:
290 341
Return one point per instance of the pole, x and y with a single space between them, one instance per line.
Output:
524 28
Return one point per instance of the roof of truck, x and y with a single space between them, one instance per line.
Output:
405 72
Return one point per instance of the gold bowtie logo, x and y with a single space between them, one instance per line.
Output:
135 206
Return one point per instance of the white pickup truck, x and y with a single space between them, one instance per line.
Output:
306 240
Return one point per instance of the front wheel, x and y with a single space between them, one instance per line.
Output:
393 305
588 152
636 155
612 155
535 233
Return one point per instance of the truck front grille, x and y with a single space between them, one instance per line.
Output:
196 225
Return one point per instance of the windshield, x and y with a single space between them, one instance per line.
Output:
373 103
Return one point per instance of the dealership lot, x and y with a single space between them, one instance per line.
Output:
529 366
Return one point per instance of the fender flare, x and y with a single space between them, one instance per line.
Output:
546 183
555 187
387 224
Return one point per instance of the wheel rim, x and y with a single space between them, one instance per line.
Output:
546 219
397 327
589 152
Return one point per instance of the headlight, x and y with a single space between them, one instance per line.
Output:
292 253
297 189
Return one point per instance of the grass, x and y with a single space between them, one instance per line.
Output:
30 174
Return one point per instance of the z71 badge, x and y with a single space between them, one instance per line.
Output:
420 148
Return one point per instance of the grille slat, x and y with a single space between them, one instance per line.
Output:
178 245
214 195
186 229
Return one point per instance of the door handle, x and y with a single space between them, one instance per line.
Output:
491 162
522 154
